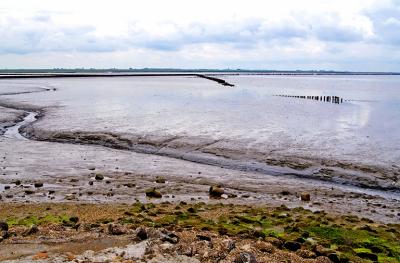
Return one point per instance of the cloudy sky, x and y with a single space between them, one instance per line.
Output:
358 35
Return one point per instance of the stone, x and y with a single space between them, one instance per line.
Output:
246 257
31 231
334 258
7 187
292 245
153 193
170 237
322 251
99 177
265 247
74 219
17 182
116 230
368 255
305 197
3 226
38 184
202 237
304 253
160 180
216 191
142 233
229 245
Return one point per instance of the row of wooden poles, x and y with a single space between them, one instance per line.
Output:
331 99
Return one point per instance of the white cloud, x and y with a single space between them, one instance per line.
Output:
178 33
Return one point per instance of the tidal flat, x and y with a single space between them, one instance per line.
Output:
99 143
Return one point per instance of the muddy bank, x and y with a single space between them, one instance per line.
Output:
39 171
230 154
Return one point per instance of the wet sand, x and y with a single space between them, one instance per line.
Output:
67 168
67 164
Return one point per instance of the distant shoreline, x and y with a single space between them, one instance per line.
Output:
86 74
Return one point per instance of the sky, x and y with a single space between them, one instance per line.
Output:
353 35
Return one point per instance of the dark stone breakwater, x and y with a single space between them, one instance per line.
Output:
220 81
331 99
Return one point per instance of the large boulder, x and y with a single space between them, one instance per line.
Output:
305 197
153 193
216 191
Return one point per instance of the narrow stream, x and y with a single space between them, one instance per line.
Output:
13 131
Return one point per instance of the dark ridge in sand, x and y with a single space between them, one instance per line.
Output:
220 81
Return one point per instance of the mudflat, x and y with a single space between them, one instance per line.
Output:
68 177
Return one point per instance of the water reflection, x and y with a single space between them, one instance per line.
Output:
366 127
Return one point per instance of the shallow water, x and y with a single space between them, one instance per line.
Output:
363 129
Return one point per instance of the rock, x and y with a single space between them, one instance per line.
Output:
191 210
274 241
92 168
153 193
169 237
304 253
292 245
201 237
322 251
116 230
367 255
284 192
74 219
246 257
99 177
265 247
305 197
216 191
142 234
334 258
160 180
7 187
3 226
31 231
229 245
29 192
38 185
90 182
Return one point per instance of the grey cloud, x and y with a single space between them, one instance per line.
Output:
39 34
386 23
